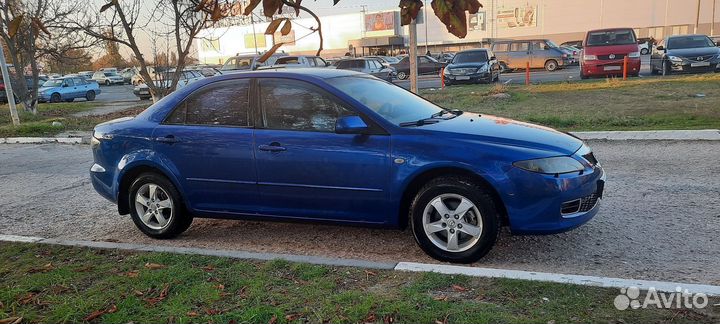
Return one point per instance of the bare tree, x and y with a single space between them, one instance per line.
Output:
33 30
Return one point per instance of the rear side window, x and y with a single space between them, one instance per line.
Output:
519 47
611 37
502 47
224 103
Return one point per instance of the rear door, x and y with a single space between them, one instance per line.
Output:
502 51
306 170
539 53
208 142
519 55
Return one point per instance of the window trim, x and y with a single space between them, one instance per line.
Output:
251 110
373 127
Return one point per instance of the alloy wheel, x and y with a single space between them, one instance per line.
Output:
452 222
154 206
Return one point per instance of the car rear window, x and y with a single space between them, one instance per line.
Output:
611 37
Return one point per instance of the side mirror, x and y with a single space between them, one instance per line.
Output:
350 125
660 48
493 58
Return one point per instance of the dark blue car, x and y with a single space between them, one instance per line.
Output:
342 147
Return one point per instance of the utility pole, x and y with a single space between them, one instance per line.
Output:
413 56
8 88
425 22
364 13
697 18
712 22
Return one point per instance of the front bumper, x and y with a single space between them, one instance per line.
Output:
468 78
609 67
536 206
687 66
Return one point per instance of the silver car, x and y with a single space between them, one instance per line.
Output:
370 66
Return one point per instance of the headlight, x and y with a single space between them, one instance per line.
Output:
482 69
634 55
589 57
675 59
553 165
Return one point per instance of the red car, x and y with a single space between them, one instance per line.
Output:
604 51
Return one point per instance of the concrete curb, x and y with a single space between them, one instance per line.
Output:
665 135
662 135
607 282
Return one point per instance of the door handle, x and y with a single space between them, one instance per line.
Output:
273 147
167 139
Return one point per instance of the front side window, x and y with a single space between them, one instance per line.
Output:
69 82
297 105
224 103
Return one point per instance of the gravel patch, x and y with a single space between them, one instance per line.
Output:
659 219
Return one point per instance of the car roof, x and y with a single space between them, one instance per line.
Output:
609 29
690 35
473 50
310 72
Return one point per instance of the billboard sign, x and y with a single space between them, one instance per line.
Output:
380 21
288 39
478 21
517 16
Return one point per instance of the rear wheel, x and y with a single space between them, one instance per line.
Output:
551 65
454 220
402 75
90 96
157 208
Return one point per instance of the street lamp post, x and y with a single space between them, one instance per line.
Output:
8 88
697 18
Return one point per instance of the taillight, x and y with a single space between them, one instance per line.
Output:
2 86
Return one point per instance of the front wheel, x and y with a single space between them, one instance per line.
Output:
454 220
157 208
55 97
107 82
644 51
551 65
402 75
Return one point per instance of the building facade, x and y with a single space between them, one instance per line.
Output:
380 32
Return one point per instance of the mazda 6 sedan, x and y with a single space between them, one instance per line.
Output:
325 145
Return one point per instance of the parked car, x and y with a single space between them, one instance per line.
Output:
108 78
472 66
646 45
445 57
426 65
247 62
86 74
142 90
307 61
685 53
68 89
577 44
604 52
369 66
386 60
540 53
716 40
336 146
3 94
128 75
573 54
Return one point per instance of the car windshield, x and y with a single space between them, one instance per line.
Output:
611 37
110 74
53 83
689 42
551 44
238 63
393 103
470 57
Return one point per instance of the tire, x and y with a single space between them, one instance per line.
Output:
162 222
55 98
665 68
551 65
107 83
90 96
504 68
402 75
644 51
450 192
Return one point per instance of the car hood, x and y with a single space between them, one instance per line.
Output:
48 89
505 131
466 65
694 52
611 49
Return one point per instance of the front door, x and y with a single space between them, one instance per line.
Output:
208 142
519 55
306 170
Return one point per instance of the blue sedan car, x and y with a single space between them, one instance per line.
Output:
68 89
343 147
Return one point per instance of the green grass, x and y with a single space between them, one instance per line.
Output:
637 104
41 124
51 284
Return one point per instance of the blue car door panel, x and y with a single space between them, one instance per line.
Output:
209 140
305 169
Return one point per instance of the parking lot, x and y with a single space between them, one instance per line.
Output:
116 93
653 224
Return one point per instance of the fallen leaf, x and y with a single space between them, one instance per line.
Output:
389 319
192 314
441 298
133 274
459 288
209 268
220 287
292 317
27 299
11 320
161 297
369 273
100 312
153 266
370 318
138 293
273 320
212 311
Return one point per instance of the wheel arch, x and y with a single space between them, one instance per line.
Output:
420 179
129 175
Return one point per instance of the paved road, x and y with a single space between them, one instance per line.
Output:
571 73
659 221
116 93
